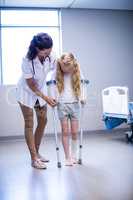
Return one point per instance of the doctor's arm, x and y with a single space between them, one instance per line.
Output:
33 86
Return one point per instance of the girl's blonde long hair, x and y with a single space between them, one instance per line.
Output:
75 78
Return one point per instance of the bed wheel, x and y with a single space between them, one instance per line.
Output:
129 137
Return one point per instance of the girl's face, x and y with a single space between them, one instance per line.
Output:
43 53
67 64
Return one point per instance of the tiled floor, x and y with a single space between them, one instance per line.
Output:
106 173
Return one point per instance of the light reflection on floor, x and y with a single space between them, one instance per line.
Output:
106 173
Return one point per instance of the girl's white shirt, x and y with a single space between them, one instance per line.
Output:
38 71
67 95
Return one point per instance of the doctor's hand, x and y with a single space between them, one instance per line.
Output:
52 102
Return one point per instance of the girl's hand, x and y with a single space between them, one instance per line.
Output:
52 102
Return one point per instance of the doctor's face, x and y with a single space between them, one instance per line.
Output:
44 53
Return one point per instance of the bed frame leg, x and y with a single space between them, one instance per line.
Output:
129 138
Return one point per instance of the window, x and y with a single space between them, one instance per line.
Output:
17 30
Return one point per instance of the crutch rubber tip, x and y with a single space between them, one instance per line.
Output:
80 161
59 165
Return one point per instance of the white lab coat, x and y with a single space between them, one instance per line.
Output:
38 71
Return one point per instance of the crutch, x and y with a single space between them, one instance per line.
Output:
52 92
56 138
84 84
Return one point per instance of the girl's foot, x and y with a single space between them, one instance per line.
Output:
74 161
42 158
38 164
68 162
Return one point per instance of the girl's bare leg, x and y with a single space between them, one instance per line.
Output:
74 133
65 137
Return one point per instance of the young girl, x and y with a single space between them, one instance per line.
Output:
68 84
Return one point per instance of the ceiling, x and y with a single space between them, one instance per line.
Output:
88 4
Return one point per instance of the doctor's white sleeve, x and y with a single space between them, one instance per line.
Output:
26 66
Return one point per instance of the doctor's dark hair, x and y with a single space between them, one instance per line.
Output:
41 41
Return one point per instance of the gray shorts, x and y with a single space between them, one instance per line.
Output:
68 110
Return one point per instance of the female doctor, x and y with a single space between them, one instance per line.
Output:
32 93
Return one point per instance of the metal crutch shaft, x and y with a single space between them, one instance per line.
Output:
84 83
81 134
56 139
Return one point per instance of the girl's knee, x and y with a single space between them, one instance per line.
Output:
74 135
65 133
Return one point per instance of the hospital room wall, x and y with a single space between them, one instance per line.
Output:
102 41
103 44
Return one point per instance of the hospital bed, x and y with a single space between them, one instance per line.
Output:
117 109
